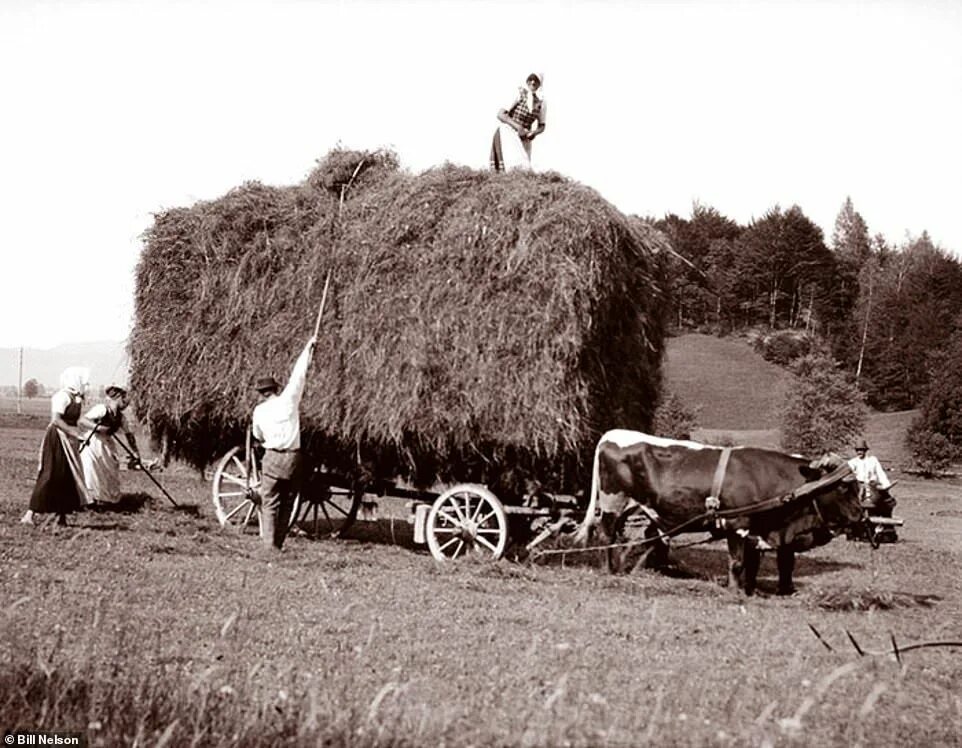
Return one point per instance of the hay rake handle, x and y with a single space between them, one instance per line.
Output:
896 650
145 471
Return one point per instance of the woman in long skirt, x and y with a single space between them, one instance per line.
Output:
60 486
99 451
521 123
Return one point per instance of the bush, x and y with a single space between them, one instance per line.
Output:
783 347
937 432
672 418
824 411
932 451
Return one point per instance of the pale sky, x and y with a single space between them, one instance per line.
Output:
112 111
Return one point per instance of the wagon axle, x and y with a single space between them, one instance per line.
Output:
467 519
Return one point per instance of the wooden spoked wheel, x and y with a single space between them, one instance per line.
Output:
236 489
237 480
324 509
467 520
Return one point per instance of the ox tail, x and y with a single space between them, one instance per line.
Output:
585 530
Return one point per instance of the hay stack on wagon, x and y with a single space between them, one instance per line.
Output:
480 326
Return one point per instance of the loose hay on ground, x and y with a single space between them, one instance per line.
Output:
870 598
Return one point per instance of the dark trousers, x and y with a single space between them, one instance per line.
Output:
279 486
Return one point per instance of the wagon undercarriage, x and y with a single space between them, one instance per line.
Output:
465 520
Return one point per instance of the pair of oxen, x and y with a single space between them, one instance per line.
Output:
756 498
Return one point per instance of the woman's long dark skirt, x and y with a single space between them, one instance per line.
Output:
56 489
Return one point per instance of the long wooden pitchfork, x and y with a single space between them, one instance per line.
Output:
320 311
317 326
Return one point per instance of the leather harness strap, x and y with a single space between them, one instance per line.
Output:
713 502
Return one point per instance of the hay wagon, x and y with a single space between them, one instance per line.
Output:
481 326
464 519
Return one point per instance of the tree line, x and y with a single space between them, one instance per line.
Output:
890 316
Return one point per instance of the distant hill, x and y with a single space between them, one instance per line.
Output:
730 384
107 361
737 395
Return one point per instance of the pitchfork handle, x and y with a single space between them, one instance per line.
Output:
320 311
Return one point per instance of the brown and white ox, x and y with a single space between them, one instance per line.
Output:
671 480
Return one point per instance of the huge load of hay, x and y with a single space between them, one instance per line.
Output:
479 326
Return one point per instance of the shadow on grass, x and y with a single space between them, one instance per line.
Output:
713 562
383 531
104 527
128 503
398 531
698 563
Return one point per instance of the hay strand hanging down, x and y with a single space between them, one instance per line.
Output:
479 325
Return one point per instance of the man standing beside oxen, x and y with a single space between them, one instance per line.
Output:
874 488
276 423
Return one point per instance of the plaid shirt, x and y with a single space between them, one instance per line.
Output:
519 110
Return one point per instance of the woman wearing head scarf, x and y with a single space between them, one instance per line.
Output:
60 486
521 122
98 451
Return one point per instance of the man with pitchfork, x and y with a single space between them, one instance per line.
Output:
276 424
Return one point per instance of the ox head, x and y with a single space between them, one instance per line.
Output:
835 494
822 466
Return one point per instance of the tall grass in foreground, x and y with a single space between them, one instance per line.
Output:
135 706
118 691
494 678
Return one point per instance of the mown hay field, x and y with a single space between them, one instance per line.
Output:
39 406
156 627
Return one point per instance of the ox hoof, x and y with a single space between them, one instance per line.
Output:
785 591
579 540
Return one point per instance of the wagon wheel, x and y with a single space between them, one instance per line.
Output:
467 520
237 502
237 480
326 510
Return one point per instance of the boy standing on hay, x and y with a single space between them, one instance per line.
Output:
276 423
521 123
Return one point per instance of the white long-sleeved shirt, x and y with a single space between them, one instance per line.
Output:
868 470
276 422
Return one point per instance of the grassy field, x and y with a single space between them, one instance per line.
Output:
731 386
151 626
155 627
36 406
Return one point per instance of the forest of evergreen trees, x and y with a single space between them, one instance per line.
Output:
891 316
